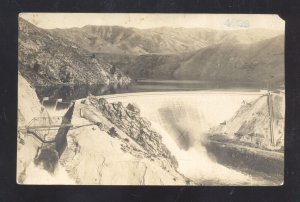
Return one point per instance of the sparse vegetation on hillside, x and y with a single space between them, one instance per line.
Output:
45 59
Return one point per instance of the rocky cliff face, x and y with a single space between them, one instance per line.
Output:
29 105
34 167
259 123
131 153
128 119
45 59
115 146
28 108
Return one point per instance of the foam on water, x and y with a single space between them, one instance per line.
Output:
38 175
183 120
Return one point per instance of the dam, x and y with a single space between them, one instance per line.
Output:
184 118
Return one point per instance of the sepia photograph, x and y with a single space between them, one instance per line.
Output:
150 99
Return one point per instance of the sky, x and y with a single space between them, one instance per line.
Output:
144 21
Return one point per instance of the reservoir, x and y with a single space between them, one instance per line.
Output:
78 91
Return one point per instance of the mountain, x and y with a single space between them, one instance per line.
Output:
244 56
161 40
258 62
149 66
261 62
250 55
45 59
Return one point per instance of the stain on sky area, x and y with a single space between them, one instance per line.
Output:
146 21
237 23
35 20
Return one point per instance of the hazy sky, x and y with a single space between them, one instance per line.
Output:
215 21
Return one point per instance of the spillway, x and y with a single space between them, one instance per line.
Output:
183 119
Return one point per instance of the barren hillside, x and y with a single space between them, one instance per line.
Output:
45 59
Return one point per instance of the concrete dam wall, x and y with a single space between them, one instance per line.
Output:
183 119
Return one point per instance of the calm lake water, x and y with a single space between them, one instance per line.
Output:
74 92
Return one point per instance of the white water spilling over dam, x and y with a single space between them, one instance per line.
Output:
183 118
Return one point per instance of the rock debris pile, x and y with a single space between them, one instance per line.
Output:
129 120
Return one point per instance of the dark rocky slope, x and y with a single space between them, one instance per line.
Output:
45 59
128 120
117 147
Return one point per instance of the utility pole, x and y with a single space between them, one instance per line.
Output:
270 109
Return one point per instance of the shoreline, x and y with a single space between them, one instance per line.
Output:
197 92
